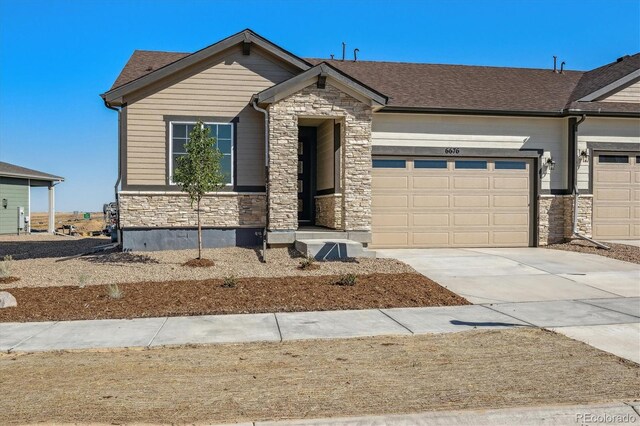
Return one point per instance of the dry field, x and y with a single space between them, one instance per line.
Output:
40 221
40 261
311 379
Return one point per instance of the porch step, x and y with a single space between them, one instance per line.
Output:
321 234
332 249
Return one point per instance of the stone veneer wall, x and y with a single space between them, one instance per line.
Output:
329 211
555 217
155 210
356 154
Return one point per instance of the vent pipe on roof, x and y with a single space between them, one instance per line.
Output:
562 67
555 63
355 54
344 48
332 56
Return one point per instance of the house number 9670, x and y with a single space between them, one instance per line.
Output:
452 150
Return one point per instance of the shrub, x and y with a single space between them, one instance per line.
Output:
347 280
308 263
114 292
229 282
5 266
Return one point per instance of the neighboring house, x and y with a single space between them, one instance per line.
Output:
394 154
15 197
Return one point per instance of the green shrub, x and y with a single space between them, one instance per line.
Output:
347 280
308 263
114 292
229 282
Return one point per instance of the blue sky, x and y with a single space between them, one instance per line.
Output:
57 56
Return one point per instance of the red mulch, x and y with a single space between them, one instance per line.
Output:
199 263
7 280
250 295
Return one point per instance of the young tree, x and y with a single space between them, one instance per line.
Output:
199 171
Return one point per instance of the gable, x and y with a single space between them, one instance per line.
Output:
629 94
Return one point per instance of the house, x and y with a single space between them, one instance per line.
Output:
15 195
389 154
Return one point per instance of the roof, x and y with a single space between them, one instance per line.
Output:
11 170
455 88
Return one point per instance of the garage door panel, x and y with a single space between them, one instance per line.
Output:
455 207
510 219
616 196
430 219
471 183
431 182
471 219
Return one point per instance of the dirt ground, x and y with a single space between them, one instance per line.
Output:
41 260
40 221
623 252
311 379
250 295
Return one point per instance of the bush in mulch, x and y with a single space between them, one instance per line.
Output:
199 263
7 280
308 264
348 280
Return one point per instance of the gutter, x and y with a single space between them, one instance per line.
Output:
576 194
266 175
115 187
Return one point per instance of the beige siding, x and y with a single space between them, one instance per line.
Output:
325 155
630 94
220 87
548 134
611 130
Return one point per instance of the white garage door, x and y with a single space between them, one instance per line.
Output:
436 202
616 195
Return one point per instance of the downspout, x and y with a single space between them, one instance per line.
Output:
115 187
573 145
266 175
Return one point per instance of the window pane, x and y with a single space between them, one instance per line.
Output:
189 129
511 165
175 163
224 145
430 164
179 130
390 164
471 164
620 159
224 131
212 130
225 167
638 160
178 145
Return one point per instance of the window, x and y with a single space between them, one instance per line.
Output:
511 165
223 132
430 164
389 164
619 159
471 164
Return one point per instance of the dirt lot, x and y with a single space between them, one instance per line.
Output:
623 252
155 299
40 221
40 262
246 382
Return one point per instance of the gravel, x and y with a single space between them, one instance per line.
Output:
40 261
623 252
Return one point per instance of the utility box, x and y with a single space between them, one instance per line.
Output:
21 219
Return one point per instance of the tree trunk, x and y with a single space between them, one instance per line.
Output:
199 232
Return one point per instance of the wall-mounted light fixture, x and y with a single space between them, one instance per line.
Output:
5 203
584 155
549 163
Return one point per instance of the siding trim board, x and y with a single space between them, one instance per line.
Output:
463 152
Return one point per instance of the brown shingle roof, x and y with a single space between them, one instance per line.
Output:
453 87
11 170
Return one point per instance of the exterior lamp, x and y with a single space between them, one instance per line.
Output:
549 163
584 155
5 203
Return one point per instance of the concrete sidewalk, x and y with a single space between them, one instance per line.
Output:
610 414
210 329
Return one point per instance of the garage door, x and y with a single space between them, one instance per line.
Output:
616 195
436 202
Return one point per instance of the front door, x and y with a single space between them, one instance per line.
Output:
306 175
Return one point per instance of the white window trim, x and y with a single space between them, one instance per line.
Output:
171 123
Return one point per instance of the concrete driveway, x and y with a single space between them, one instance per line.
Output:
579 295
523 274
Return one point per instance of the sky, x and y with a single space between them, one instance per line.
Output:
56 57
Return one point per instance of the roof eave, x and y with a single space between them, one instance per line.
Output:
612 87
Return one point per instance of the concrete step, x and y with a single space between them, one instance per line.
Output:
321 235
332 249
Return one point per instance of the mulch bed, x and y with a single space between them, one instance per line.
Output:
622 252
8 280
250 295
